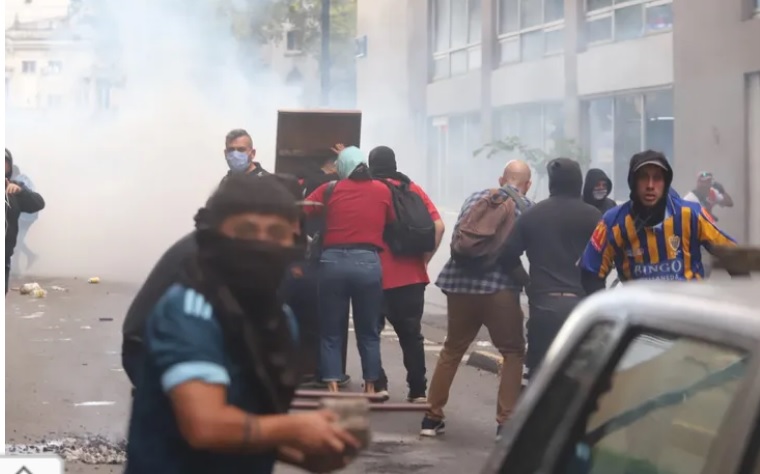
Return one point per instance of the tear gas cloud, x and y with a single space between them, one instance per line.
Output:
121 187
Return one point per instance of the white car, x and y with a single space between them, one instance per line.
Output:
655 377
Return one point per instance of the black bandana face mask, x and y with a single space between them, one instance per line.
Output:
250 265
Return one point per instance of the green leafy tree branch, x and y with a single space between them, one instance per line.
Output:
537 158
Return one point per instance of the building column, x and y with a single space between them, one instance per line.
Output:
419 64
753 159
574 12
489 18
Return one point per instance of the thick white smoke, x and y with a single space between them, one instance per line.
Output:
120 187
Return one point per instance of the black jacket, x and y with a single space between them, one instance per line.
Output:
593 176
554 233
24 201
258 170
164 274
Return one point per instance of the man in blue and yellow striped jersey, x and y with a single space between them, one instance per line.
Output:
656 235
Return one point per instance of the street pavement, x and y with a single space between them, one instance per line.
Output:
65 389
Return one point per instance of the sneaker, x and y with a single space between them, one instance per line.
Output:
432 428
416 397
381 388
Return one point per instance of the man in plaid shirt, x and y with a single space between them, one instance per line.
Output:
488 298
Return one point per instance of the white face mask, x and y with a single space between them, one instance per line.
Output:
599 194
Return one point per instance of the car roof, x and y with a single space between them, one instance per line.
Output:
739 291
728 305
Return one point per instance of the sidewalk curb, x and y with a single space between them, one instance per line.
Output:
484 360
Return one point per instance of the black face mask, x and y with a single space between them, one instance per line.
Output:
256 267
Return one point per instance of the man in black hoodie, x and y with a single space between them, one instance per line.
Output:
596 190
18 199
553 234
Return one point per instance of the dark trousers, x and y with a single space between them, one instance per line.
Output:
7 274
132 360
403 308
546 317
301 294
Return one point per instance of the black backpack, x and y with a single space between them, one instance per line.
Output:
412 234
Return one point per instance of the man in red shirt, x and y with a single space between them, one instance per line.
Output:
404 282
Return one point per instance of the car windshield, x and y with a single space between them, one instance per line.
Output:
666 401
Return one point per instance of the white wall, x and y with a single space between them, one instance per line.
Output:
37 10
458 95
32 90
634 64
383 79
532 81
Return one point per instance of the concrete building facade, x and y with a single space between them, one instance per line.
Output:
441 78
49 60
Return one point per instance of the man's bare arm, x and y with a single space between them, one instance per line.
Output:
207 422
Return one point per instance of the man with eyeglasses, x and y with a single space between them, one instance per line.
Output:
240 154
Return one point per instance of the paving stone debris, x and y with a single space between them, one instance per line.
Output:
89 450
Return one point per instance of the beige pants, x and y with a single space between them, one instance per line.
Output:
502 315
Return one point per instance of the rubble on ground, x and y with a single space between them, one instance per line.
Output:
33 289
89 450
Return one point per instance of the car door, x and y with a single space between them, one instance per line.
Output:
662 404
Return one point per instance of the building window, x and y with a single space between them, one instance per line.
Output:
457 28
538 126
619 21
54 67
28 67
451 143
294 41
530 29
618 127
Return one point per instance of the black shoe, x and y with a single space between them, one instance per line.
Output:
432 428
381 388
416 397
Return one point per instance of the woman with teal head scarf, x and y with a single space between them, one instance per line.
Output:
350 271
352 164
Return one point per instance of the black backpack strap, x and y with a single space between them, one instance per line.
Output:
328 192
516 197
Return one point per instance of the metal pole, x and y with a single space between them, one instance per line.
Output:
324 64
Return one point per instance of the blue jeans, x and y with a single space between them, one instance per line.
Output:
350 276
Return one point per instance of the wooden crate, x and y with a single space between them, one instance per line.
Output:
305 138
